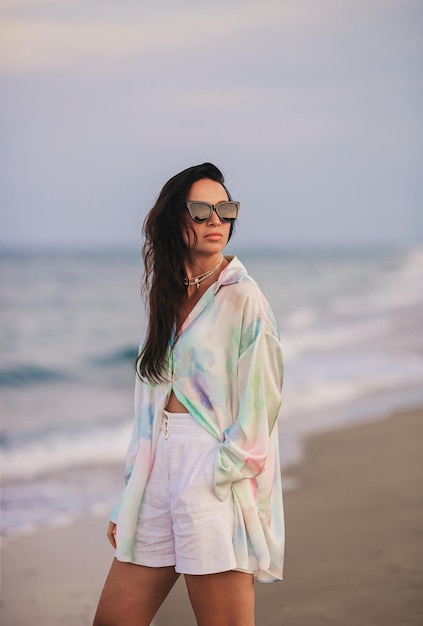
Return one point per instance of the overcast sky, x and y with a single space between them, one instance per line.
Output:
312 108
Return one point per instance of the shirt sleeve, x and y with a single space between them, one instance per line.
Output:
132 451
244 449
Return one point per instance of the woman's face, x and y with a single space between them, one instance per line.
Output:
212 235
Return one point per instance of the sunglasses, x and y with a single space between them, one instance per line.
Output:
227 211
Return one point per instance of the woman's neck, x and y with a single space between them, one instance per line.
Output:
199 265
202 275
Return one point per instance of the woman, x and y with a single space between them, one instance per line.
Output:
203 494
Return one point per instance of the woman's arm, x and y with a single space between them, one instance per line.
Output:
111 534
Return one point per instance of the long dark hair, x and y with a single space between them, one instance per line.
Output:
164 252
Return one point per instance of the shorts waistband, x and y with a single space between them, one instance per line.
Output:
181 423
171 415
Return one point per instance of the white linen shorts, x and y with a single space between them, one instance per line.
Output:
181 521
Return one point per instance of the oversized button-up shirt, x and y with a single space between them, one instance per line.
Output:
226 368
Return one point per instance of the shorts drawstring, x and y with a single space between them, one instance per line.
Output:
177 420
166 425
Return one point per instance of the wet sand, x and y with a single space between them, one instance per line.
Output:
354 544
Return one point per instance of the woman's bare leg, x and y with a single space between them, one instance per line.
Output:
132 594
225 599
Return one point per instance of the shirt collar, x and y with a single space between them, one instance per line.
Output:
232 273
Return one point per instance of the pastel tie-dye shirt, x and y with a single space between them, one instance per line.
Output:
227 371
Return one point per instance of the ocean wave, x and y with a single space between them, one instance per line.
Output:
125 354
303 317
29 375
334 338
24 375
398 286
51 452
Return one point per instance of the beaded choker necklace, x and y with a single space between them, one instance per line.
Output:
198 279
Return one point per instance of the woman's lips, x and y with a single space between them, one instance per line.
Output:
214 235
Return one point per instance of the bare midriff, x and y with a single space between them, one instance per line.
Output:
174 406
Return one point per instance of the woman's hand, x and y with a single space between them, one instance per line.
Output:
111 534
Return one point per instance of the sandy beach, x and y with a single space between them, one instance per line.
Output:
354 544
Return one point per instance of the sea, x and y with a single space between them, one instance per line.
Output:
70 324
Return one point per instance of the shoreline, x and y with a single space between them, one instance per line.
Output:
354 543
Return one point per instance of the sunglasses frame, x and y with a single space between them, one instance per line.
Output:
213 207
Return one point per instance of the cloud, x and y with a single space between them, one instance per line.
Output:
49 35
44 44
18 5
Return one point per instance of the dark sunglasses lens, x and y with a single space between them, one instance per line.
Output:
227 211
199 211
